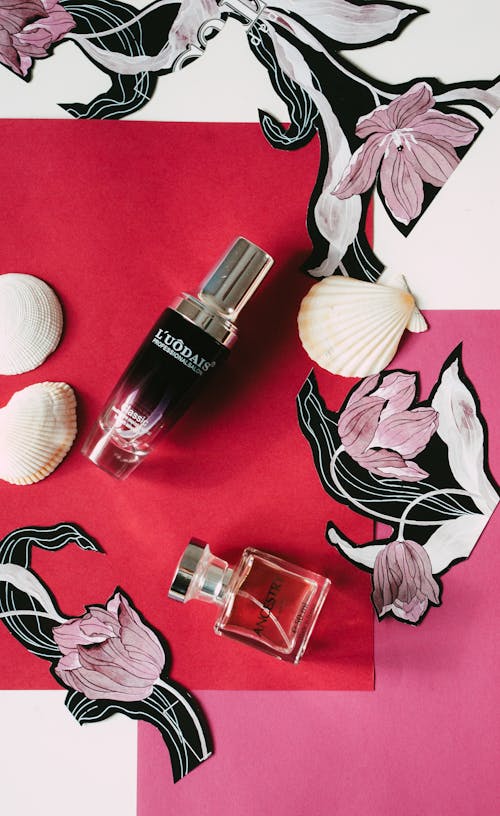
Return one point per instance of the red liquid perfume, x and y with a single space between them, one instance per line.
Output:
265 601
186 343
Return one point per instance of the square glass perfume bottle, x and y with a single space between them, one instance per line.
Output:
265 601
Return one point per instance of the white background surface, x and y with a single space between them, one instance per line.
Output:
52 765
450 259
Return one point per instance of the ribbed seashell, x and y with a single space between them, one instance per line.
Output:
353 327
37 429
31 322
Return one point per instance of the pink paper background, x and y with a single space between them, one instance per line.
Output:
427 740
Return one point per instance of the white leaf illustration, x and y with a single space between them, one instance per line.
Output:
488 97
461 430
337 219
365 555
191 17
346 22
27 582
454 540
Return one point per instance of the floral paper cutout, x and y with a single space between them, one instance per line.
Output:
379 432
110 658
420 468
412 131
413 143
28 28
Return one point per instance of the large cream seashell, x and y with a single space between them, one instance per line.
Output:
353 327
31 322
37 429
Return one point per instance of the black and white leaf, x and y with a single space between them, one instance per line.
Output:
380 498
27 607
171 709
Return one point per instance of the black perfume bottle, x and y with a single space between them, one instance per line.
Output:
186 343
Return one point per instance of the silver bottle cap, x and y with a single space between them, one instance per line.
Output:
200 575
235 278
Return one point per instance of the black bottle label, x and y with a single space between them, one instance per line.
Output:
162 379
177 348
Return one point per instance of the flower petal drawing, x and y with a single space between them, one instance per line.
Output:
109 653
403 582
449 127
399 389
360 173
379 432
28 29
15 14
401 185
434 160
408 432
408 142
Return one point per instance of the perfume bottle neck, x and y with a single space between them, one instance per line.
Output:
215 581
212 322
200 575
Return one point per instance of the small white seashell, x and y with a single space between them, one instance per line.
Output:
31 322
37 429
353 327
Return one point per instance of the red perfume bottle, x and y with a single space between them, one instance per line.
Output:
265 601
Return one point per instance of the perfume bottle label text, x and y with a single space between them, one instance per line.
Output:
178 349
128 418
267 607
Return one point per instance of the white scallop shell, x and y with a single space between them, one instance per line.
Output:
353 327
37 429
31 322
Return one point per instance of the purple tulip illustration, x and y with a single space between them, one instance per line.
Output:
110 658
412 143
436 516
28 29
403 582
109 653
379 432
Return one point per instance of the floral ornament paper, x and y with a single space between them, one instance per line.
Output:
404 139
28 28
419 467
412 143
110 658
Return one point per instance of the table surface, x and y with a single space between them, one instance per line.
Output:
427 735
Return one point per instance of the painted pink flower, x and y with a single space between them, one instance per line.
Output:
380 433
109 653
411 143
402 581
27 30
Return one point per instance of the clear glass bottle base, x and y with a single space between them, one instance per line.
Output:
110 454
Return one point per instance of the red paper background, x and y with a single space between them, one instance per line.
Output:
118 218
